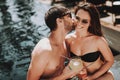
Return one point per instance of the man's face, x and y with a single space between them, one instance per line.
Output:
68 22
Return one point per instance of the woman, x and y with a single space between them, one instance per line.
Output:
88 43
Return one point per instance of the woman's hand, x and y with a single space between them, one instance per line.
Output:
82 74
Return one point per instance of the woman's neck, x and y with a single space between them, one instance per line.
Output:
82 33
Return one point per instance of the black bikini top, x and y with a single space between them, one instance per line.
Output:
89 57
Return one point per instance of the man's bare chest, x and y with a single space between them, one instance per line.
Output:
54 67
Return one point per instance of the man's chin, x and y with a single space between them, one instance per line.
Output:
69 31
73 27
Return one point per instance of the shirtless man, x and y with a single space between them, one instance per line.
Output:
47 62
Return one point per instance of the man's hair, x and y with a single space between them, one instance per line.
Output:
53 13
95 26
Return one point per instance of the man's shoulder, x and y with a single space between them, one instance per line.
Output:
43 40
43 43
42 47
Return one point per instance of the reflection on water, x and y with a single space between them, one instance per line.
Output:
21 27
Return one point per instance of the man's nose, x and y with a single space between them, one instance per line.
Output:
74 21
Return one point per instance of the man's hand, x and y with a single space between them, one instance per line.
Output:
69 72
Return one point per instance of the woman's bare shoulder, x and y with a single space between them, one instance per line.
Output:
100 39
70 37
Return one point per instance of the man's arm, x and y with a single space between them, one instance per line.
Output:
37 65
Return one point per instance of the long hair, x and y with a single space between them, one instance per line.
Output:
95 26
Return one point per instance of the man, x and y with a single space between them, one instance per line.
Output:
47 62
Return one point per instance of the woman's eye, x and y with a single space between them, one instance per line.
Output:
84 21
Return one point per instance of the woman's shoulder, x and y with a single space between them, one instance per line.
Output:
69 37
100 39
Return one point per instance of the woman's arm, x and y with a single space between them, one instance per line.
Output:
108 57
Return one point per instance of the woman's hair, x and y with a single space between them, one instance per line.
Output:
95 26
53 13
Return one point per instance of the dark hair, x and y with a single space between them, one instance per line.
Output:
95 26
53 13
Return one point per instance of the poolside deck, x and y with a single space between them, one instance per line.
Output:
108 22
111 32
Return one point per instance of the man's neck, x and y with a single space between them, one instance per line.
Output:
57 37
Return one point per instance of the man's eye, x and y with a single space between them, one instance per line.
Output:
70 15
77 18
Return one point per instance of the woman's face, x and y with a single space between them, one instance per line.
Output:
83 19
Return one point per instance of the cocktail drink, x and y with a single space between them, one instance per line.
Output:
76 64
